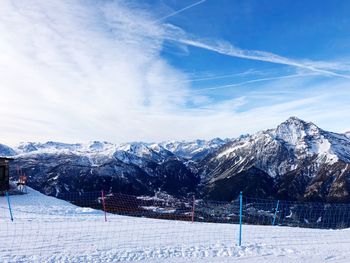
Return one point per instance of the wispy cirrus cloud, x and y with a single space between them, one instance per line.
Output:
81 70
86 70
326 68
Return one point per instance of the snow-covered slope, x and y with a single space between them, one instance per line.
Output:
35 205
46 230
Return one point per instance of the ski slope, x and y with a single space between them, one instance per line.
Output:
46 229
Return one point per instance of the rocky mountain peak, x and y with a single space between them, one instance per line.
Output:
294 130
295 160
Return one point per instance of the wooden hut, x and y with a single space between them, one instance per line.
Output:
4 174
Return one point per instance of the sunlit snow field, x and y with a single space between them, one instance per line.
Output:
46 229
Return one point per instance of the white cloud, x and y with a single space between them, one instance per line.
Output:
85 70
79 70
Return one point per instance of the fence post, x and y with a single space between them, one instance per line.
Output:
240 218
276 211
104 204
193 206
9 205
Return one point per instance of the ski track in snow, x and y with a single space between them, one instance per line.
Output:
49 230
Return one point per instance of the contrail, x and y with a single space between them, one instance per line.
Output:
253 81
247 72
179 11
243 83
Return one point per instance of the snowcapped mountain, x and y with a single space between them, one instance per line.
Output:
104 148
6 151
137 167
193 149
159 151
138 151
297 160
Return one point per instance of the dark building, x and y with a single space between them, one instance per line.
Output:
4 174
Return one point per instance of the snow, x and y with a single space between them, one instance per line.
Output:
46 229
266 149
230 150
139 149
323 148
189 149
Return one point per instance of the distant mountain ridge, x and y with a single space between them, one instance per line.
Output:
184 149
6 151
296 161
134 168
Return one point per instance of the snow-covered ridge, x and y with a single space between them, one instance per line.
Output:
196 148
295 160
105 148
184 149
300 137
6 151
305 138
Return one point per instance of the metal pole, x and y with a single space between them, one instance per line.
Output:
104 204
276 211
193 206
240 218
9 205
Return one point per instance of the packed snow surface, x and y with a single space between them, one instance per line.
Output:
46 229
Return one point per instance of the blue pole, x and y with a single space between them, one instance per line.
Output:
9 204
240 218
276 211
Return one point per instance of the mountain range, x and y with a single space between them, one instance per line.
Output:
295 161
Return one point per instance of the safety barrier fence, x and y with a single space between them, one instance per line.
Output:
255 211
102 225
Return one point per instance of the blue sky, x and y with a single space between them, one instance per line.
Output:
168 69
300 31
294 29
